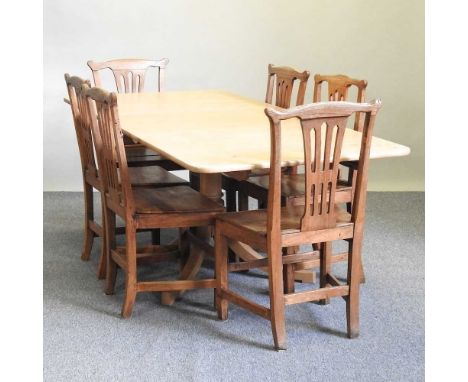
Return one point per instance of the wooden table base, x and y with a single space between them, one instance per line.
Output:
210 186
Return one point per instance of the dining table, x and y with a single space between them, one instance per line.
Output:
215 132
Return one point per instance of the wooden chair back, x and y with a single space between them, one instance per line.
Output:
323 127
82 122
338 88
130 74
284 77
112 160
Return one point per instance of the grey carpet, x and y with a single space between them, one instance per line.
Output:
86 340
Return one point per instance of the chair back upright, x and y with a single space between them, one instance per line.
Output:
284 77
112 160
82 123
338 88
130 73
323 127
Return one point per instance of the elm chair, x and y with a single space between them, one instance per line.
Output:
144 176
338 89
318 221
280 85
140 208
292 191
130 75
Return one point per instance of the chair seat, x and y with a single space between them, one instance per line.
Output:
292 186
177 199
256 220
153 176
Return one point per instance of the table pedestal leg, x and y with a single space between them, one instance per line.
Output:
210 186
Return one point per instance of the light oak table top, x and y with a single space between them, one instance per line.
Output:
212 131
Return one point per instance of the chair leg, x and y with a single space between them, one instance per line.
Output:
288 278
325 267
275 279
184 248
352 175
88 216
111 271
102 265
288 275
221 273
156 236
352 302
243 200
194 181
131 275
231 204
362 278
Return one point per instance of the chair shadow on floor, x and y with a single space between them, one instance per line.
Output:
221 333
313 322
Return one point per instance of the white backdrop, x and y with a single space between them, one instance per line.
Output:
228 45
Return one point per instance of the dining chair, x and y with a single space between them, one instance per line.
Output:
280 86
140 208
292 191
338 90
319 220
139 176
130 76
